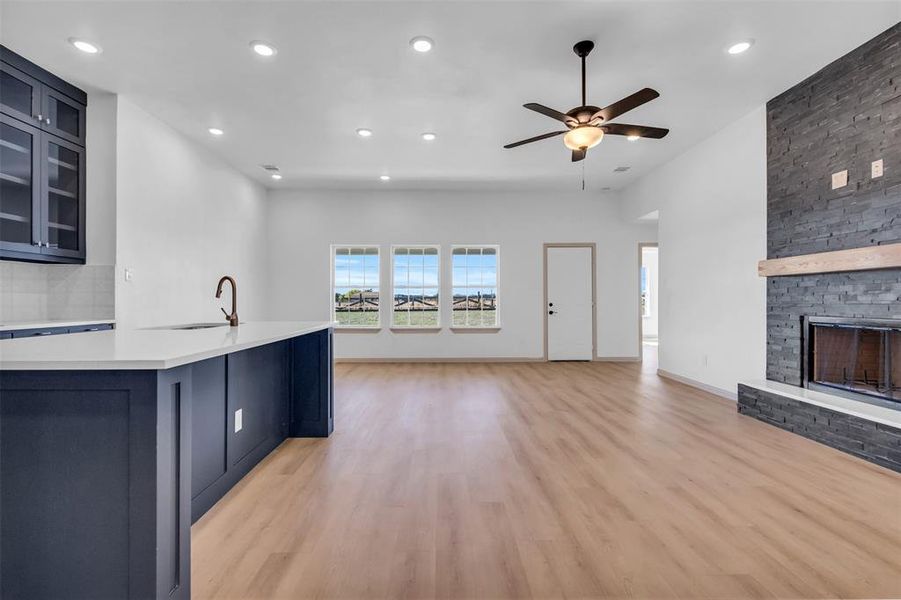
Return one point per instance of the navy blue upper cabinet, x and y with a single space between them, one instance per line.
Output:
42 164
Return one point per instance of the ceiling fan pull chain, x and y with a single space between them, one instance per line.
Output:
583 175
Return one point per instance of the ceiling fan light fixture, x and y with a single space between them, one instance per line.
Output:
633 137
583 137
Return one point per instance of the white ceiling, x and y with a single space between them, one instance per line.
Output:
344 65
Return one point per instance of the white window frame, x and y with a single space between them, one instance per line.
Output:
437 248
332 311
497 287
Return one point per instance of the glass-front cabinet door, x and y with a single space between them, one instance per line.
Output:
63 209
20 95
20 186
63 116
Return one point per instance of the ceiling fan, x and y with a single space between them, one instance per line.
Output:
587 125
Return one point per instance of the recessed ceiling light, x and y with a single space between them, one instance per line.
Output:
385 177
86 47
422 43
429 136
276 176
632 138
363 132
740 47
215 131
263 49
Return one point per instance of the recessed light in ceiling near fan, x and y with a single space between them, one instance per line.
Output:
587 125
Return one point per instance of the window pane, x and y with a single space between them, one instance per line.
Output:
416 287
430 277
474 273
356 292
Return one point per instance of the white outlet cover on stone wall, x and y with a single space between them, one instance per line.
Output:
840 179
876 169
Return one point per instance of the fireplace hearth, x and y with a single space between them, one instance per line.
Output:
861 358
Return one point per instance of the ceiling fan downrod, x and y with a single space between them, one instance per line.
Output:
582 50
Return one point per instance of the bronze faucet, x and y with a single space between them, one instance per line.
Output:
233 317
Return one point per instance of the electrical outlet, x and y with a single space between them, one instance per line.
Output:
129 275
840 179
239 420
876 169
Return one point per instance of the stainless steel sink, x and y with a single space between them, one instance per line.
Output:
191 326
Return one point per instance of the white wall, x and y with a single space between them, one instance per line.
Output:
184 219
102 114
303 224
711 233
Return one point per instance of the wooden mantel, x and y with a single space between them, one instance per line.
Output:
887 256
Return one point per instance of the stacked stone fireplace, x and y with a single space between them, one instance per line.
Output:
844 117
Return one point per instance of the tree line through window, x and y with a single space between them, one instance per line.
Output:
415 286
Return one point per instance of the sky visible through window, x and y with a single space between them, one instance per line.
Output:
474 273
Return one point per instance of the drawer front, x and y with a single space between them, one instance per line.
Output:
23 333
97 327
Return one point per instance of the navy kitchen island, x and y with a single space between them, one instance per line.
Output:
113 442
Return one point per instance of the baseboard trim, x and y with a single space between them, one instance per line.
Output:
456 359
479 359
700 385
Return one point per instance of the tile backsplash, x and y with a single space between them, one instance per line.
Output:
33 292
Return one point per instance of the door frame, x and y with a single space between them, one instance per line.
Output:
594 291
641 247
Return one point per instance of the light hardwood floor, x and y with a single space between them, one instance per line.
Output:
537 480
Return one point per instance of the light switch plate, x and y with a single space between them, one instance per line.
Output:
239 420
129 275
840 179
876 169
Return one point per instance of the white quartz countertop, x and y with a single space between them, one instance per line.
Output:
123 349
20 325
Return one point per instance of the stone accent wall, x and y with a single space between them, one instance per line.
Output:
843 117
862 294
870 441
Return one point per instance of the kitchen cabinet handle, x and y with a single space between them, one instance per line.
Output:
40 117
47 121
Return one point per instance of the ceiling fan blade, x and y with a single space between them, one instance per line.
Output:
550 112
639 130
608 113
579 154
535 139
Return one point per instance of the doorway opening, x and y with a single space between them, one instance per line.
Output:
648 302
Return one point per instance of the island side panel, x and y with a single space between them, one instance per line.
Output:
254 381
77 510
312 386
173 484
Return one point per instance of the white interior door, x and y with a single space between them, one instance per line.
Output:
569 309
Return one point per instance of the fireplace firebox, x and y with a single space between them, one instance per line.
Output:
859 357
